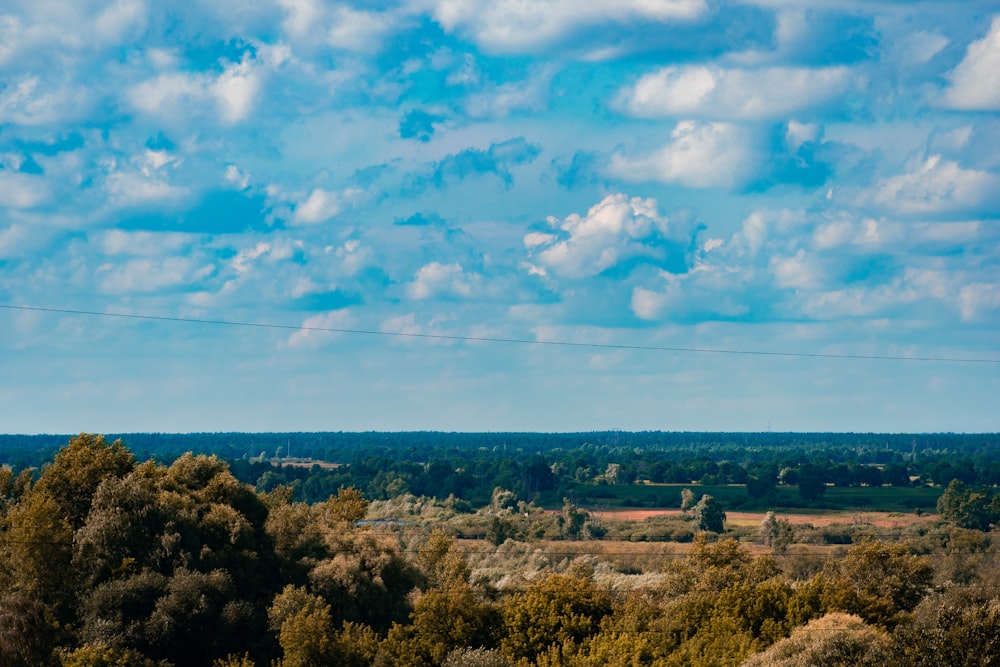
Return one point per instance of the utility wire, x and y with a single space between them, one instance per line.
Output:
494 339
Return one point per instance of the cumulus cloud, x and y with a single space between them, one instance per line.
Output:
231 94
498 160
975 298
725 93
937 185
152 275
22 191
614 230
436 279
975 82
798 271
513 25
698 155
31 100
322 205
120 242
361 31
500 101
144 179
311 335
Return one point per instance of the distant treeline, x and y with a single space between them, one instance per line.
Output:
469 466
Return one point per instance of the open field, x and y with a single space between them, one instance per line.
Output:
600 497
817 518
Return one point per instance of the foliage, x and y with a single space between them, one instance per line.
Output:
976 509
708 515
835 640
552 613
476 657
106 561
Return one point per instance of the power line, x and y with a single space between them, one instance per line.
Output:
496 339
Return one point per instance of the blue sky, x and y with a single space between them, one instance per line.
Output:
759 175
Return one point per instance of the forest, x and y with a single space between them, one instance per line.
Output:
499 549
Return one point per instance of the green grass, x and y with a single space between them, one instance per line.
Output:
668 496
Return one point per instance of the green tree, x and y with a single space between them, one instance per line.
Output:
38 548
876 580
687 500
835 640
812 481
708 515
27 631
959 627
967 507
78 469
442 621
551 613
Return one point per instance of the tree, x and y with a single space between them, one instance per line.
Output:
760 487
708 515
442 621
687 500
878 581
776 533
558 610
835 640
476 657
812 482
572 519
78 469
967 507
27 632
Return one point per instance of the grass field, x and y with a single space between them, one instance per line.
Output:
734 497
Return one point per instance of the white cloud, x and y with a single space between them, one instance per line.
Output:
915 48
177 95
311 334
302 16
937 185
880 235
353 257
237 176
975 82
120 19
148 275
715 92
361 31
23 240
613 230
145 179
436 279
531 94
235 91
243 261
799 271
35 101
22 190
974 298
797 134
516 25
698 155
322 205
119 242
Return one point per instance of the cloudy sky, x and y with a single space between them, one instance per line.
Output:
740 175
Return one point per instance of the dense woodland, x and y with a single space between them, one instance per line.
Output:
436 549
